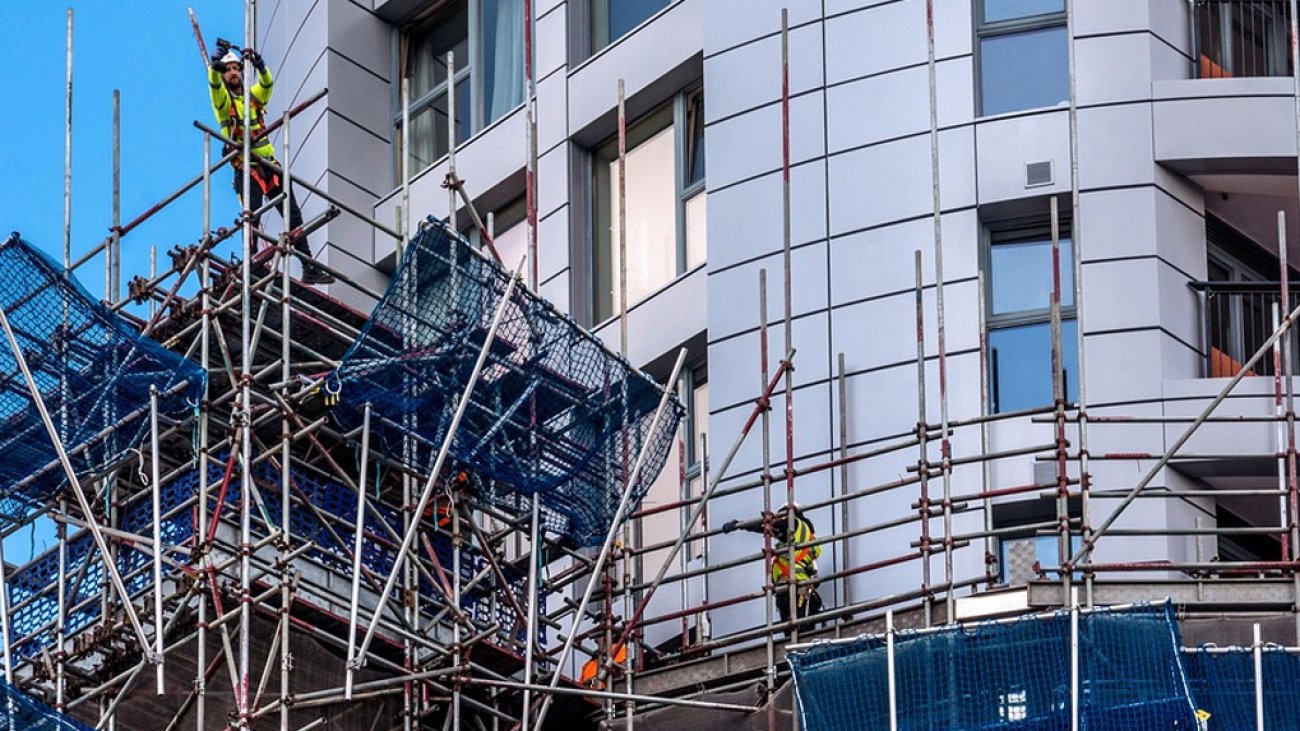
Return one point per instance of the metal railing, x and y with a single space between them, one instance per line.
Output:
1236 318
1235 38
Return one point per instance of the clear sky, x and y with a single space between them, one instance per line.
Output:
146 49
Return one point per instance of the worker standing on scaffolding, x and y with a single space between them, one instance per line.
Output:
226 84
807 601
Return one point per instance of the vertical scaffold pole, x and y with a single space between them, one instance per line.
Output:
792 583
201 642
986 407
530 168
155 483
628 645
115 239
243 701
1257 650
765 431
608 543
1076 248
530 636
1074 660
945 443
1059 399
60 632
356 546
923 442
286 430
845 560
405 221
1290 504
67 154
6 629
890 670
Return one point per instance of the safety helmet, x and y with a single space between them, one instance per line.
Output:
232 57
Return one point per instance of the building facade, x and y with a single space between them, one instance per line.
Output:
1165 131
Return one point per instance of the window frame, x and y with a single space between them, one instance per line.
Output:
672 114
590 14
1015 231
468 71
1001 28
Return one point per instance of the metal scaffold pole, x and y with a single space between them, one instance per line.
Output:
286 431
243 701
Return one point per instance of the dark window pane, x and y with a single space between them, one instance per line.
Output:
503 57
1021 275
1020 365
1024 70
611 19
426 63
694 139
995 10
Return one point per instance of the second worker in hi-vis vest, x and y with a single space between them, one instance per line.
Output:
807 601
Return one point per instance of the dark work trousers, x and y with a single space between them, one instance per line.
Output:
807 602
274 187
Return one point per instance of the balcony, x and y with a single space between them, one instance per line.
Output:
1242 38
1236 319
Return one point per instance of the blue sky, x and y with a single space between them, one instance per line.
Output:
146 49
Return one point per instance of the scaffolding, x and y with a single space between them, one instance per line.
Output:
424 516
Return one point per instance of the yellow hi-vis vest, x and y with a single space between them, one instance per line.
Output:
805 558
229 111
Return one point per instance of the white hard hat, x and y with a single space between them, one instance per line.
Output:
232 57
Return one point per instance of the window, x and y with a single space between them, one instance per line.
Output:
487 38
612 19
1018 269
665 203
1028 540
1236 38
1023 55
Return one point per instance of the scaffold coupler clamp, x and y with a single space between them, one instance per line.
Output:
333 386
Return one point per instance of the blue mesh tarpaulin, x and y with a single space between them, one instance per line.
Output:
20 711
92 369
33 589
1223 685
555 414
329 524
1003 676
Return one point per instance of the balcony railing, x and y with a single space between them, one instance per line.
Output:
1237 38
1236 318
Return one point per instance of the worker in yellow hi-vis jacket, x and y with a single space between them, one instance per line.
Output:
226 84
807 600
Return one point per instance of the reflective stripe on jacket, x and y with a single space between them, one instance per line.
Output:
805 558
229 110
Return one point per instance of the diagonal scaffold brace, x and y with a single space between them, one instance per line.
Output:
403 551
114 577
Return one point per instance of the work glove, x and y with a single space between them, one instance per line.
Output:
216 63
255 58
730 525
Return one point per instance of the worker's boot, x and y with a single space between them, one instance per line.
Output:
312 273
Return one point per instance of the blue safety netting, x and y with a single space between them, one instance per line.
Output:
1223 685
325 514
20 711
1003 676
33 589
555 414
94 371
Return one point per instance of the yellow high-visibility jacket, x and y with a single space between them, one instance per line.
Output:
229 110
805 558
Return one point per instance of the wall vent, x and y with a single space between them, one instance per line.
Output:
1038 173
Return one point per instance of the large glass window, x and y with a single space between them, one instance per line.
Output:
1023 54
487 40
1019 272
612 19
665 204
